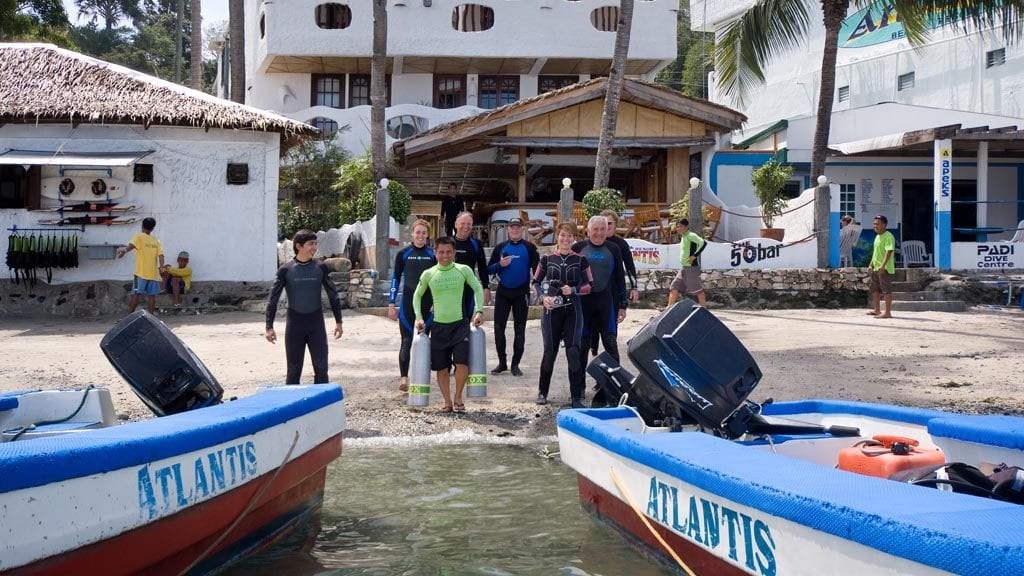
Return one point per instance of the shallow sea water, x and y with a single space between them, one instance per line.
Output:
453 505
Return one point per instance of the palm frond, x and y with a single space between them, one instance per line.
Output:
1007 15
746 45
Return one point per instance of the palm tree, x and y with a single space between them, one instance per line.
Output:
602 167
236 49
378 92
770 28
179 20
110 11
196 46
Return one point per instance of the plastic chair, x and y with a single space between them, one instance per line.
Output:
714 214
848 237
1018 236
914 253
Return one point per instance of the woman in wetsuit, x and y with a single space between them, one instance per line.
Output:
409 265
560 279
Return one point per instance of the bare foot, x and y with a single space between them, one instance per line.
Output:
404 385
883 316
874 313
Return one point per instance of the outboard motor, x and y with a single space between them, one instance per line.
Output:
651 404
160 368
700 365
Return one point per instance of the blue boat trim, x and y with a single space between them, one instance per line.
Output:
1002 431
919 416
8 403
953 532
52 459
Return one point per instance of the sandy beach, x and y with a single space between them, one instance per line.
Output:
969 362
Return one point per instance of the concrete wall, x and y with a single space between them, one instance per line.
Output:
229 230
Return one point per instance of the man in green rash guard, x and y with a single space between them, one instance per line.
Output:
449 334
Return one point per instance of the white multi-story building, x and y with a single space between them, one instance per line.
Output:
895 106
446 59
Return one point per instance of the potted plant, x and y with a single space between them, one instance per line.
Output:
600 199
769 185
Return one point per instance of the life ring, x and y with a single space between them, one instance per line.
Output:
99 187
66 187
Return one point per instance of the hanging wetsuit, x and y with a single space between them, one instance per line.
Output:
303 282
470 252
409 265
563 323
512 295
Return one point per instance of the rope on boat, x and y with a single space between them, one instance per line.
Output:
647 523
85 396
252 502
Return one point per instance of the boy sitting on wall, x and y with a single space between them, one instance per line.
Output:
177 280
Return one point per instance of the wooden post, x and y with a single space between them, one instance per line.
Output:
522 174
695 213
565 200
382 259
822 201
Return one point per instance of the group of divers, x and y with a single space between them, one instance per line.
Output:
582 286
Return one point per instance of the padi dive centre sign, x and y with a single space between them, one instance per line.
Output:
987 255
876 24
746 541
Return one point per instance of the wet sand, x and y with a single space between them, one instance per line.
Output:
968 362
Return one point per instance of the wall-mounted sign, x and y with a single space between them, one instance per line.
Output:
876 24
987 255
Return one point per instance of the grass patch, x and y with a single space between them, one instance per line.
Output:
953 384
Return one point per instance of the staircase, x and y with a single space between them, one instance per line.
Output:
908 294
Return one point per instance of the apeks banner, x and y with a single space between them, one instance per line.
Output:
754 253
876 24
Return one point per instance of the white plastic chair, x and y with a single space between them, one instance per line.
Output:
848 237
1018 236
914 253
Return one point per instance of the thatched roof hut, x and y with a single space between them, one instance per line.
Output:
41 83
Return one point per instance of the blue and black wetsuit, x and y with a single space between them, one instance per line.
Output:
630 266
607 296
303 282
471 253
409 265
564 323
512 295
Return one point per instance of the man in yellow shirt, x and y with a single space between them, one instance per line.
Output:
687 280
149 259
882 267
177 279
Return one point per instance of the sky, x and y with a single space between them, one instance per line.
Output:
213 11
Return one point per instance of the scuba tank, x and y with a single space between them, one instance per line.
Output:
419 375
476 384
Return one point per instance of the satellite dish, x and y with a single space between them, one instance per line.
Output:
539 184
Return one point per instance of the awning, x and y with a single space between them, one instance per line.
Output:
61 158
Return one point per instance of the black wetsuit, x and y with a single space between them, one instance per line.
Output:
303 282
410 263
512 294
451 207
607 296
564 323
627 261
471 253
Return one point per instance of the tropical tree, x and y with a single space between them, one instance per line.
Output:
196 46
179 25
770 28
378 88
44 20
602 167
109 11
236 49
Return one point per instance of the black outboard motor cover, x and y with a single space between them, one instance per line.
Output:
650 402
161 369
699 364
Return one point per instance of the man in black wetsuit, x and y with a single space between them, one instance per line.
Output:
451 207
302 279
627 260
470 252
606 304
410 263
513 261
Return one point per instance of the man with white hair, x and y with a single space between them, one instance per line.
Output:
606 304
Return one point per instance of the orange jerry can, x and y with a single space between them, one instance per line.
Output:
886 455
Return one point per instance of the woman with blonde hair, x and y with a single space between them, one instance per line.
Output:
410 262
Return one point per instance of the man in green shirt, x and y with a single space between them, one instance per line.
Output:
449 334
882 268
687 280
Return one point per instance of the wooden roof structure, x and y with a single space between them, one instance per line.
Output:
569 119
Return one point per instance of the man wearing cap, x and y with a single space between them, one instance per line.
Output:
513 261
177 279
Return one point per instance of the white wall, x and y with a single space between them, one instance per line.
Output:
229 230
528 29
